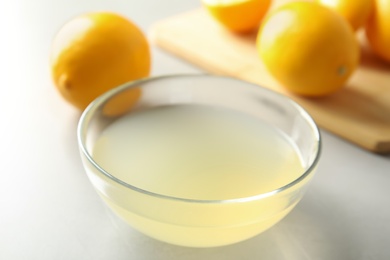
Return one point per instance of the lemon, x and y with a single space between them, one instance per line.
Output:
378 29
95 52
355 12
238 16
308 48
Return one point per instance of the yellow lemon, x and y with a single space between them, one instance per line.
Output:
239 16
378 29
308 48
356 12
95 52
122 102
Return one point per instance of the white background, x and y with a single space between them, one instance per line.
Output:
49 210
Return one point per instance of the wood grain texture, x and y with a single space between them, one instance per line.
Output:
359 112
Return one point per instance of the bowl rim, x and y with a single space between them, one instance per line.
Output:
94 106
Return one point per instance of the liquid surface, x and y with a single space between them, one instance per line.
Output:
197 152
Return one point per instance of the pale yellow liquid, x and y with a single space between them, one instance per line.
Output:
199 153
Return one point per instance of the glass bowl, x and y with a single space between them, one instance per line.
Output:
198 160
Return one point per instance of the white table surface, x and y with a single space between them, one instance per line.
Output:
49 210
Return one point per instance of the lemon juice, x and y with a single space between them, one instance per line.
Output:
199 153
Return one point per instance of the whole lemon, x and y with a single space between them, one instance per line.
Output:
238 16
95 52
355 12
308 48
378 29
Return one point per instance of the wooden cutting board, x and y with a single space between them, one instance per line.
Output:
360 112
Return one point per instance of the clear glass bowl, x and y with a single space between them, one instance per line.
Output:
198 222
